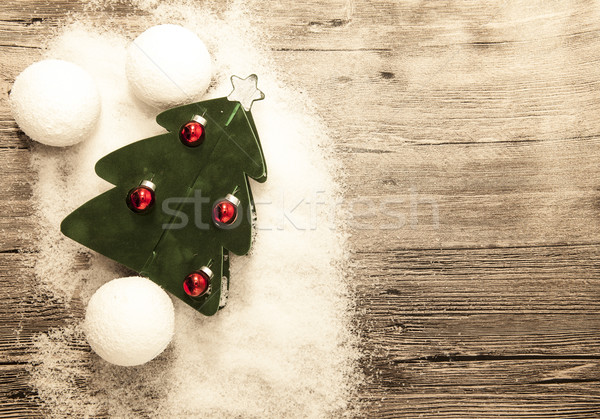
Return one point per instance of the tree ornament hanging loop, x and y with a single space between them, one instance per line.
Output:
148 184
200 119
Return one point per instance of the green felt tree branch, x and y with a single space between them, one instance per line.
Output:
178 235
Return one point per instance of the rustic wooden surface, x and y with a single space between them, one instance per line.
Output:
471 134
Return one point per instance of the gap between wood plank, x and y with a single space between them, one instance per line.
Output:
468 248
486 358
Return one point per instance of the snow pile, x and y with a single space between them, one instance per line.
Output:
284 346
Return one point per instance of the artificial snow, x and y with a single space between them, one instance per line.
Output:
168 65
129 321
284 345
55 102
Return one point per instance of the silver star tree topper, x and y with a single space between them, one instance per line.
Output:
245 91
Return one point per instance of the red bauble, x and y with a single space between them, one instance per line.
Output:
196 284
141 198
192 134
225 211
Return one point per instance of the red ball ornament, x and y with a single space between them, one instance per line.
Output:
225 211
197 283
141 198
192 133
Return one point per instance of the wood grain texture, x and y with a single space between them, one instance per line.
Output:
471 135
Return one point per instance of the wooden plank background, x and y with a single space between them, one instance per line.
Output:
471 135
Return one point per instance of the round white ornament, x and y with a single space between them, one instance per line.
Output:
55 102
129 321
168 65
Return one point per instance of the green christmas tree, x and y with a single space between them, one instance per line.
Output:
181 200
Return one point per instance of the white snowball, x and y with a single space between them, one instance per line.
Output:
129 321
168 65
55 103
